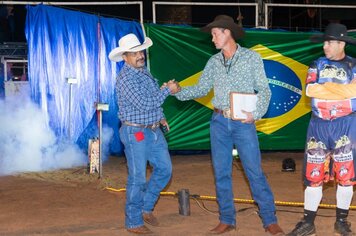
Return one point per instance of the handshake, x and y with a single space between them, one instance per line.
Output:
172 85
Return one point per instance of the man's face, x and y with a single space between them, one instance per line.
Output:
333 49
135 59
220 37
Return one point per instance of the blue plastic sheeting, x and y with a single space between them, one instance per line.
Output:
69 44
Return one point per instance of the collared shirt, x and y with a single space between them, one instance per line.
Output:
139 97
243 73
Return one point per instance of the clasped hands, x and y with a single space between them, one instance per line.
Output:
172 85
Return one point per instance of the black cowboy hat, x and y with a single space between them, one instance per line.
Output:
226 22
334 31
288 165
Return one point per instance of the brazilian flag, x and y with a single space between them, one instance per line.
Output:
181 53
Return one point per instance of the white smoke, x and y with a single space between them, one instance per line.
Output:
107 133
28 144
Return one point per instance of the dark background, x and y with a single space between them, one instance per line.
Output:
292 19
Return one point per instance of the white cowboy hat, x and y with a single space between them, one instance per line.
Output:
129 43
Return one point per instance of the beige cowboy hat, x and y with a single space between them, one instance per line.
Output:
226 22
334 31
129 43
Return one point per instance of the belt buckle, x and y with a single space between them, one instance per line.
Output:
155 125
227 113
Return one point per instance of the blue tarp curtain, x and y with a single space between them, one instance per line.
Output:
65 44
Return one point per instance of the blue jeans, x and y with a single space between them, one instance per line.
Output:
224 133
141 195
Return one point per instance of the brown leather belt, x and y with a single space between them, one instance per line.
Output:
218 111
226 113
153 126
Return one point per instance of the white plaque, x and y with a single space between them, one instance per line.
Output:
242 102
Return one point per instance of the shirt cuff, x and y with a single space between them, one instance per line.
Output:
180 95
166 92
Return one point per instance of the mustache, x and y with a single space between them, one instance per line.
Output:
140 59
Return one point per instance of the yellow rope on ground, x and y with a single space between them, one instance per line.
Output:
116 190
239 200
168 193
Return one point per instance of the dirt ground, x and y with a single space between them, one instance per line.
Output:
72 202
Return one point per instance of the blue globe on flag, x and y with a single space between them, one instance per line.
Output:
285 86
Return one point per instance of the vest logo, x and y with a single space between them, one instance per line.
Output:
331 71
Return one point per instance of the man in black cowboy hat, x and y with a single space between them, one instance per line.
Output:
330 150
235 69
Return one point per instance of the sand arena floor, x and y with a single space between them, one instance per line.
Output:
72 202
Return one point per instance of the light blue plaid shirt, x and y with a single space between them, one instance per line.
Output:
243 73
139 97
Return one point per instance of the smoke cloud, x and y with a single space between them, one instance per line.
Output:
107 135
28 144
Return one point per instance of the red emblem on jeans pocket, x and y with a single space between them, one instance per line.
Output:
139 136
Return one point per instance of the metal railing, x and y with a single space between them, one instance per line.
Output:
154 4
260 10
267 5
140 3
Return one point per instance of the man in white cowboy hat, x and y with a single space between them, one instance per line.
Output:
330 150
139 99
235 69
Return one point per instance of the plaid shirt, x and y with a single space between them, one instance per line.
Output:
139 97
